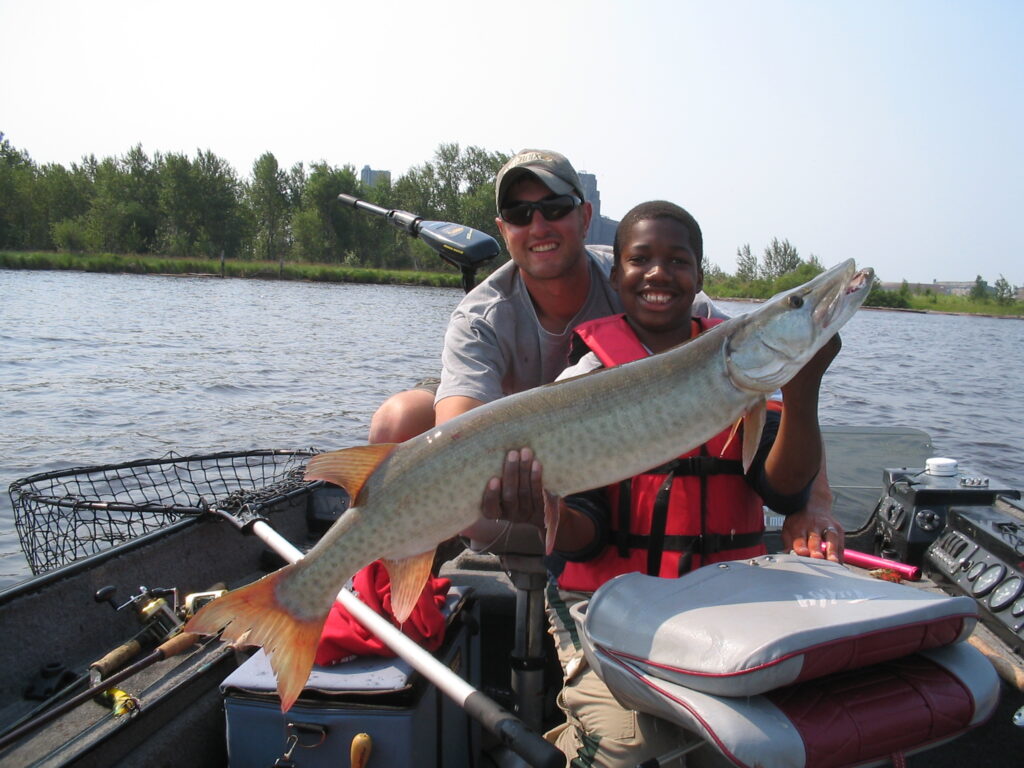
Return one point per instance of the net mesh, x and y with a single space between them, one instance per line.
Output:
68 514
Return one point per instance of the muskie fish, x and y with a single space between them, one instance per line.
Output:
587 432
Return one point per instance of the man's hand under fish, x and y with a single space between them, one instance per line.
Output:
518 495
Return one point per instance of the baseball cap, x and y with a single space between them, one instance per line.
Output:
552 169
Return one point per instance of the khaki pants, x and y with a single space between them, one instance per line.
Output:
598 731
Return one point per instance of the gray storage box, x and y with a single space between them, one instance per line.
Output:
409 721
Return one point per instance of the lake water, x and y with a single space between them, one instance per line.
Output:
110 368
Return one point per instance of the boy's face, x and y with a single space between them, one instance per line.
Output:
657 276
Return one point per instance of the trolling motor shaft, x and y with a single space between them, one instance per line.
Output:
459 245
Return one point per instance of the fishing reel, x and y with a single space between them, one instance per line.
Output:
159 610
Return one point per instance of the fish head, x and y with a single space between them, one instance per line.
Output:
769 345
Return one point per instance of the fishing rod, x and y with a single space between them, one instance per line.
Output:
459 245
510 730
172 647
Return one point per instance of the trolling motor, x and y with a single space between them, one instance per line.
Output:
459 245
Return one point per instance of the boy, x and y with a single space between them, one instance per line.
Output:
698 509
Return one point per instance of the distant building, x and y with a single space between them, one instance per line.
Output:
945 288
602 229
370 178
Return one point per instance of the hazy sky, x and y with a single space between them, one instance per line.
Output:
889 131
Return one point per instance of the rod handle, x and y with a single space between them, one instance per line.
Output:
117 658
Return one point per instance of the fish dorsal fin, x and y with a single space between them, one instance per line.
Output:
408 577
349 467
753 425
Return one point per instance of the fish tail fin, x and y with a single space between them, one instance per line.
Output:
253 615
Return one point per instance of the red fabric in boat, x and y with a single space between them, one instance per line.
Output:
343 637
876 711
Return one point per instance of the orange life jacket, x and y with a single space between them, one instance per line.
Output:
695 510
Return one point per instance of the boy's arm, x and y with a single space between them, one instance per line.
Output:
797 458
804 532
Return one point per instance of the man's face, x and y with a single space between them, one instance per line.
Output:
542 249
657 276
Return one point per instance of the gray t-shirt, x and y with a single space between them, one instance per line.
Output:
496 346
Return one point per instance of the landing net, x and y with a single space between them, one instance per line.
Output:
68 514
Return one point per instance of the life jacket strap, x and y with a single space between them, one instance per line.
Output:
700 466
706 544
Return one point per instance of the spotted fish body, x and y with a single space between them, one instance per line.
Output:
587 432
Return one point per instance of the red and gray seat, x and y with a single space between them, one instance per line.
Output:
787 662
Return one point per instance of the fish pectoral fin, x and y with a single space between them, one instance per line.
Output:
253 615
349 467
732 435
753 425
408 577
552 505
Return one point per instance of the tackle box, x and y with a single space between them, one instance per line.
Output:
408 720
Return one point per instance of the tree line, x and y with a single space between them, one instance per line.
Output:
175 205
171 204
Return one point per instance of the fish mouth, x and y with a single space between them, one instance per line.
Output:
860 280
844 298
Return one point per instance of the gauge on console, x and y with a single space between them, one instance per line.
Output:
1018 607
1006 593
992 576
975 571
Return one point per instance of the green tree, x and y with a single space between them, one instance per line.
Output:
217 206
712 272
268 199
979 291
323 228
746 263
804 272
1005 293
779 258
179 225
879 297
22 223
65 194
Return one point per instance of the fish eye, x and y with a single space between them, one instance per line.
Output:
796 301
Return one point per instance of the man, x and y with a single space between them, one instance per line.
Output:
512 333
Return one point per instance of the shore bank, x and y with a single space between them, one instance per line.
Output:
334 273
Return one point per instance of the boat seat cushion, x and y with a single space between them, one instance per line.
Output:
861 717
742 628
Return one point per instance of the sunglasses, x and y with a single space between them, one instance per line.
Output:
551 208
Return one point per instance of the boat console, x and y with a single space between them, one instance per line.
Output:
914 509
967 533
981 554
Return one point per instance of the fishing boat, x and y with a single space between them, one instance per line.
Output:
123 552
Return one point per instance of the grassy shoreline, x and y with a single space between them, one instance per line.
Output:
330 273
266 270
